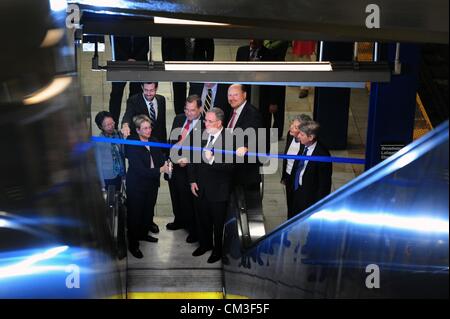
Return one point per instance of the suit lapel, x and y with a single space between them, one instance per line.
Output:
241 116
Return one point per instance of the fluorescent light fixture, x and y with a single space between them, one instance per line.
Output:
58 85
248 66
161 20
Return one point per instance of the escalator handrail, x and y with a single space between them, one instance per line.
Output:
403 157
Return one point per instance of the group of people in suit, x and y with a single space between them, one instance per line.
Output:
200 190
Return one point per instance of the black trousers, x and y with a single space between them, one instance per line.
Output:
182 200
115 98
116 182
278 116
301 200
211 220
141 206
290 195
179 96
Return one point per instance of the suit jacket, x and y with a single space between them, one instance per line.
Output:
137 106
131 48
214 180
221 99
139 175
173 49
268 94
203 50
243 54
178 123
316 181
249 118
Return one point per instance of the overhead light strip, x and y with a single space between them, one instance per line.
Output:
249 66
161 20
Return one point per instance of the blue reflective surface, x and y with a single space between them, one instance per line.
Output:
48 272
394 217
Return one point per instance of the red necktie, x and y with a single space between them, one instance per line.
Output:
231 123
185 130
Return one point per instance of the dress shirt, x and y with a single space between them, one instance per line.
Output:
294 148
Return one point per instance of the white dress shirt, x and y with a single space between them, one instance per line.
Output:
294 148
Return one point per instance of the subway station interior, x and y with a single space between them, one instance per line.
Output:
375 77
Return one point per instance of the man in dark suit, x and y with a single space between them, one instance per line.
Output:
185 49
212 95
184 127
174 49
126 49
271 97
312 180
293 147
148 103
244 116
255 51
211 183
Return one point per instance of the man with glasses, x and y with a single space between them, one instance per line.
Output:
210 183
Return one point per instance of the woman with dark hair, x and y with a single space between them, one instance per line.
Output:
145 167
110 157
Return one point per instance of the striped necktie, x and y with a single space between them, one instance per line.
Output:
208 101
152 113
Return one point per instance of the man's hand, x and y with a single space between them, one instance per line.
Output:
209 155
183 162
125 130
273 108
165 168
194 189
241 151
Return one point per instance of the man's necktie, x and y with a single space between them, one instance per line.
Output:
211 138
301 163
152 113
254 55
185 130
208 101
231 123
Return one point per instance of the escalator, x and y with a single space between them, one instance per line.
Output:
384 235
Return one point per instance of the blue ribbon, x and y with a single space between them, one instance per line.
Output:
347 160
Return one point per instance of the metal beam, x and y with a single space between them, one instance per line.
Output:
343 75
400 20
